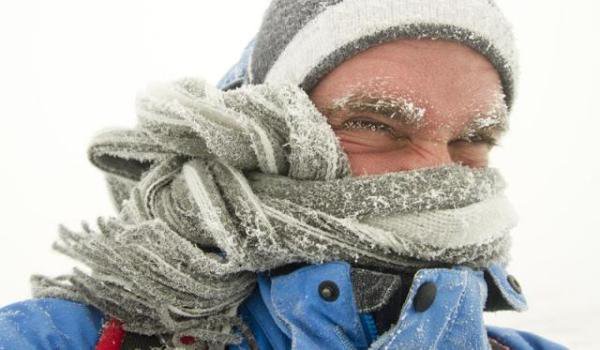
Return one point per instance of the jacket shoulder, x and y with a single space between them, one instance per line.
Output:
49 324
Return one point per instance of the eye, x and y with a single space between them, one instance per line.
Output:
366 124
473 153
477 140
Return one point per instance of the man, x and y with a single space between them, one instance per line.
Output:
354 212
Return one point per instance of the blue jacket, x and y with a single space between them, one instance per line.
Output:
318 307
443 310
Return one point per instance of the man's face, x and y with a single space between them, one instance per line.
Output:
413 104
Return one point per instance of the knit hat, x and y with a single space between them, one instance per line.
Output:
300 41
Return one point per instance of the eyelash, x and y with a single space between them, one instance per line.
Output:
485 139
375 126
367 125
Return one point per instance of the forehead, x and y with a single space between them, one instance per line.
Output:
442 77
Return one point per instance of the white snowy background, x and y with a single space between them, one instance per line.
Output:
71 67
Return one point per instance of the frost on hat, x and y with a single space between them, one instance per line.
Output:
299 42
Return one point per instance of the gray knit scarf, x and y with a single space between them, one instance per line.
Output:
214 187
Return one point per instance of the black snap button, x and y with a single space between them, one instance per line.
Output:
514 283
329 291
425 296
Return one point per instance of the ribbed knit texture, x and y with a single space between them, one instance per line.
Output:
299 42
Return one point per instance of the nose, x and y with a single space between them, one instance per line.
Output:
426 154
416 155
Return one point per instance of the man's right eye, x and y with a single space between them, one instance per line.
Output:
366 124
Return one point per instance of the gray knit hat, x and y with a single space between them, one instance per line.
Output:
300 41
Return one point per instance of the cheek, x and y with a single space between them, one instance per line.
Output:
371 153
377 163
368 141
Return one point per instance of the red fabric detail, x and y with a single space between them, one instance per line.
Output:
496 345
187 340
112 335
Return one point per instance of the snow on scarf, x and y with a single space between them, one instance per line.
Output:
214 187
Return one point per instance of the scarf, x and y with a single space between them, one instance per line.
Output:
215 187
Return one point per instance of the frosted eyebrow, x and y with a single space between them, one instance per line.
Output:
399 109
488 124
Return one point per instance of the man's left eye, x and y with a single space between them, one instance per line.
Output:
477 140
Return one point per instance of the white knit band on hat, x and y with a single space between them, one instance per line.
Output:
301 41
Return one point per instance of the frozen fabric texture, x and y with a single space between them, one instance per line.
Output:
299 42
214 187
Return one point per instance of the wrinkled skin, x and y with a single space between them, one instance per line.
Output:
448 99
